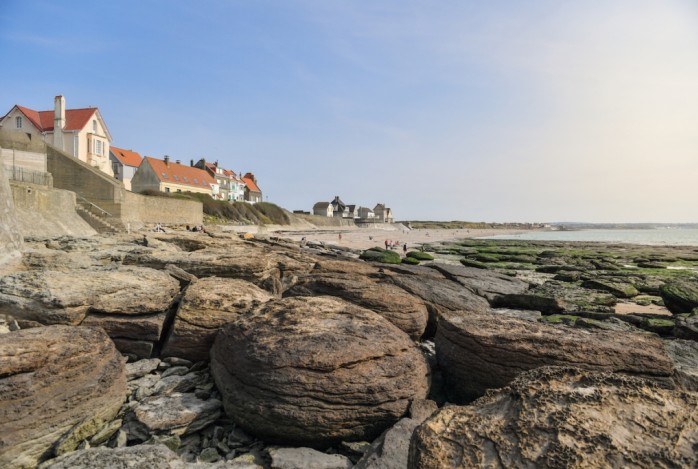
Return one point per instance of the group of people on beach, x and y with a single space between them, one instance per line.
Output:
389 244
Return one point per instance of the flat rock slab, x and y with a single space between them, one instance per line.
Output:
177 413
406 311
483 282
50 297
307 458
58 385
562 417
207 305
477 352
317 370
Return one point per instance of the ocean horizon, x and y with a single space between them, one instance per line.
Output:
650 237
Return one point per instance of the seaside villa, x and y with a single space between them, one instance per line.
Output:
166 176
81 133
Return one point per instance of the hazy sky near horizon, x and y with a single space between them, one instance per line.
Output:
452 110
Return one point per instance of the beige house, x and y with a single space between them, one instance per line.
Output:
166 176
81 133
124 164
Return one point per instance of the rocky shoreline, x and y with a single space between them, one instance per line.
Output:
219 351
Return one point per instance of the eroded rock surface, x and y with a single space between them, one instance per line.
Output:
206 306
477 352
556 417
51 297
58 385
312 371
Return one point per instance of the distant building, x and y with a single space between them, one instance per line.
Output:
323 209
81 133
166 176
353 211
231 187
382 213
366 213
253 193
124 164
339 208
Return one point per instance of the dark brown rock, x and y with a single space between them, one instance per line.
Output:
557 417
58 386
315 371
206 306
480 352
404 310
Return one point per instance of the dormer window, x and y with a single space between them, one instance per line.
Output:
18 122
94 126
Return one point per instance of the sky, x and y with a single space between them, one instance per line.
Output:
499 111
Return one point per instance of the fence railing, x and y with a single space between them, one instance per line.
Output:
94 208
18 173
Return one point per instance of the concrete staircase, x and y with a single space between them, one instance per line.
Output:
97 218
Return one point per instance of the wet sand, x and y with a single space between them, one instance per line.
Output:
364 238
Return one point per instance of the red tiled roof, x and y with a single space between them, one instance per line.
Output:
180 174
251 185
75 119
127 157
229 173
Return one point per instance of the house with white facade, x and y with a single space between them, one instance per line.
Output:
232 187
124 164
81 133
323 209
383 213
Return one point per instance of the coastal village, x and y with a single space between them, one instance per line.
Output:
83 134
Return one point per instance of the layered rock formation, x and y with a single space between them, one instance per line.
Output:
556 417
58 385
206 306
290 372
482 351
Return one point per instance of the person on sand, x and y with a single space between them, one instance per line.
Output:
404 248
340 236
386 244
145 241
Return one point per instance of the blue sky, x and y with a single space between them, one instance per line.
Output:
468 110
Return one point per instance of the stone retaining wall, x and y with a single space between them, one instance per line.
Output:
10 237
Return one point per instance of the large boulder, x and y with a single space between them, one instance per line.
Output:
680 295
58 386
207 305
316 371
51 297
477 352
404 310
557 417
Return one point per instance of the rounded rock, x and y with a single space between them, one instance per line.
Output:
315 371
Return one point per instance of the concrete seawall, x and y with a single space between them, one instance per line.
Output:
45 212
10 236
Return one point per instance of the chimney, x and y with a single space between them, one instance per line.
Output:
167 160
58 121
215 164
191 163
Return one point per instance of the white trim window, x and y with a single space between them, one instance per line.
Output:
98 147
18 122
94 126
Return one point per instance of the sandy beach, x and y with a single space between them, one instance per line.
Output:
364 238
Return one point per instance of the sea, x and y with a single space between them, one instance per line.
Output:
653 237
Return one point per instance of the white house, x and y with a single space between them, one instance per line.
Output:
124 164
79 132
323 209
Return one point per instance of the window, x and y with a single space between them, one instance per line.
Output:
98 147
196 181
18 122
176 178
179 190
164 175
94 126
167 189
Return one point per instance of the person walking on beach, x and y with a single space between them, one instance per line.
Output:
404 248
386 244
340 236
